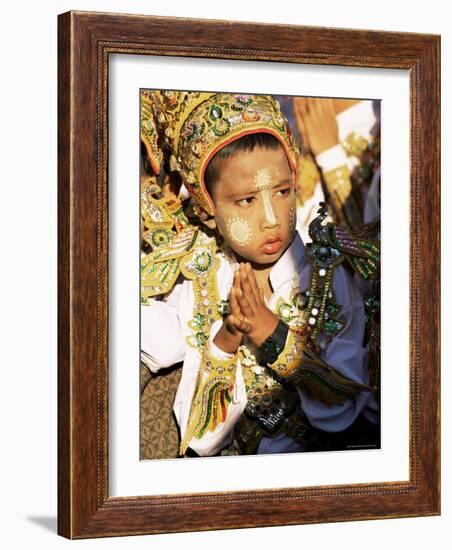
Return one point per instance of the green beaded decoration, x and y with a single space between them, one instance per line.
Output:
160 237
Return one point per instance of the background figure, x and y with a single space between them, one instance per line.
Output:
309 185
343 136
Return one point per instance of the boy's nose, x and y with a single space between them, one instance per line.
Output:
269 216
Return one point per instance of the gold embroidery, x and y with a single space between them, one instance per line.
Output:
160 269
211 397
339 184
290 357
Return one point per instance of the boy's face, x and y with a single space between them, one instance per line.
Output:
255 204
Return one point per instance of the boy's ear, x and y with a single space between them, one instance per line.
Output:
207 220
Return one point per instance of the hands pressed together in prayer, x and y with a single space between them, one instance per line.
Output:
248 313
317 123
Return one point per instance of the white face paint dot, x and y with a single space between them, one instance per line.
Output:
239 230
262 178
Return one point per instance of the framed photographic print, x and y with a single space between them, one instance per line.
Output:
248 275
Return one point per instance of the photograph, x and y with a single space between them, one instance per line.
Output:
260 274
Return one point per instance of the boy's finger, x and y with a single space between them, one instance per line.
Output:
244 326
244 304
235 308
238 324
236 281
247 289
253 282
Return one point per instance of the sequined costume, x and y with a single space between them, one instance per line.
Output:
232 402
182 328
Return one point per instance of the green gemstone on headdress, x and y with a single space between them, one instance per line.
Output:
215 112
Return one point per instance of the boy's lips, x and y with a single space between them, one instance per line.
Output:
271 245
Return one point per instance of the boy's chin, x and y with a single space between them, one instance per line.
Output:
261 259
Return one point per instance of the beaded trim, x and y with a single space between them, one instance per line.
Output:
211 397
149 133
160 269
289 358
323 382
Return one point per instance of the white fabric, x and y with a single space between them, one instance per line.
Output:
308 211
359 118
332 158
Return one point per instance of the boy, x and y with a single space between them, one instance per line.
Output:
271 337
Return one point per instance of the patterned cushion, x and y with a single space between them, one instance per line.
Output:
159 432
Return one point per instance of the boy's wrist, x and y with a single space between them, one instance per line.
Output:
226 341
273 346
266 329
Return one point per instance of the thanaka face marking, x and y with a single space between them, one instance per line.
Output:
263 182
241 218
239 230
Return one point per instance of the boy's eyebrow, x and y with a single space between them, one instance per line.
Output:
282 182
254 190
246 193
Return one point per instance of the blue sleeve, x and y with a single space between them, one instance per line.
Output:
346 354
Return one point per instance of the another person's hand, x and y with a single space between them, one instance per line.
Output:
316 121
230 335
260 321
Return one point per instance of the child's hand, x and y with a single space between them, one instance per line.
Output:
230 335
316 120
260 321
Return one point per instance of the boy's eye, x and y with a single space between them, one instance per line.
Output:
283 192
246 201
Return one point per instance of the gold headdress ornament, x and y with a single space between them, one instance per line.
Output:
197 125
149 132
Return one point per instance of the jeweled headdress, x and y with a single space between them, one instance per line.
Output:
149 132
197 125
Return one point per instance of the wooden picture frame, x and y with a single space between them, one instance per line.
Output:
85 42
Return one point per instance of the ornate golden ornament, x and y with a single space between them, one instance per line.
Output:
196 125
